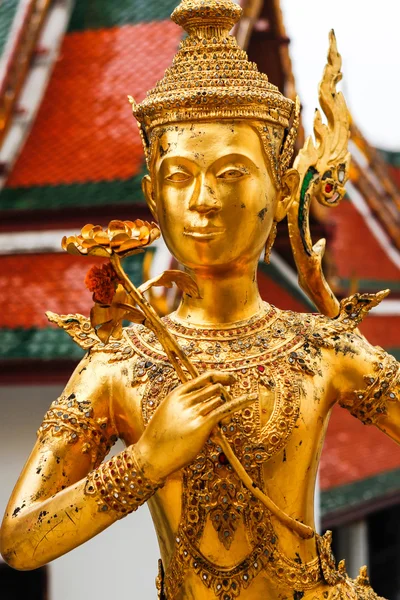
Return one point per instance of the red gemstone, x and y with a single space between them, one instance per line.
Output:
222 459
328 188
261 368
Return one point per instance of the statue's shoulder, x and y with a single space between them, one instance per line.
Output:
79 328
323 331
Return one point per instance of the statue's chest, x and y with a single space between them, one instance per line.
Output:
268 357
272 363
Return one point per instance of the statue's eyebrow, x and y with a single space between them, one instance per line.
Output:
194 158
235 157
177 161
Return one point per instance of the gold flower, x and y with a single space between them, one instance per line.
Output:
121 237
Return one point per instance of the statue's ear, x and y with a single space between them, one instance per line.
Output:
148 192
287 193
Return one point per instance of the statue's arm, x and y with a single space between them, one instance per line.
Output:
368 384
52 508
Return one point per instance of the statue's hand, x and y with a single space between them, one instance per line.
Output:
183 422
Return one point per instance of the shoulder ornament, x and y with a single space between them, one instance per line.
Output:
354 309
352 312
81 331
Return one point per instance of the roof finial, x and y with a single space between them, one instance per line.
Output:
207 18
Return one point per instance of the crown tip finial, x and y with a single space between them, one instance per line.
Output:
194 15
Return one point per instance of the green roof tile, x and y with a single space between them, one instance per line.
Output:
46 344
8 9
96 14
391 157
51 342
359 492
54 197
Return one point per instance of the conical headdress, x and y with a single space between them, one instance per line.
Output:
211 78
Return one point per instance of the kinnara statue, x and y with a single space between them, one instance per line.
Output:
222 405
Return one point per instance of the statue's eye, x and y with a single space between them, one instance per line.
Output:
232 174
178 177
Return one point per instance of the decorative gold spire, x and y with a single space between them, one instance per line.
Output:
212 78
201 17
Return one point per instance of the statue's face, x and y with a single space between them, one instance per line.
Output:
214 196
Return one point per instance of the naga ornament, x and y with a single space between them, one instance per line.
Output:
323 166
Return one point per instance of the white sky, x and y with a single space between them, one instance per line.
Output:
368 38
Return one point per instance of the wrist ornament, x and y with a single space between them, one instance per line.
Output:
120 485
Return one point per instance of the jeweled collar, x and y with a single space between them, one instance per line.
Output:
232 330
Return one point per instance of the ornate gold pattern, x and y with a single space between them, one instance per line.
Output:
272 350
260 353
120 485
382 387
342 587
74 419
83 334
324 169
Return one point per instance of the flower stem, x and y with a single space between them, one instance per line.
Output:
174 352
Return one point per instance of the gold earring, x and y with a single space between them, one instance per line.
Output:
270 242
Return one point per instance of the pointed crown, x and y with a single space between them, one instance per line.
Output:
211 78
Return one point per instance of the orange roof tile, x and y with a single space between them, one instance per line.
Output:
42 282
84 130
395 174
355 251
354 451
382 331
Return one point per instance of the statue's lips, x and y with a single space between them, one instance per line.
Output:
204 233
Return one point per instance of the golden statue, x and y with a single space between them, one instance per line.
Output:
222 405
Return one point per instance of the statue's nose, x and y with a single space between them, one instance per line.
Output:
205 199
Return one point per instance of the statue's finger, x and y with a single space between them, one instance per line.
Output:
210 377
204 394
233 406
206 407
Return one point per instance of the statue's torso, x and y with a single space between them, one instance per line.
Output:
216 539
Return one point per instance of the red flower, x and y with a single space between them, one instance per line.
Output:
102 282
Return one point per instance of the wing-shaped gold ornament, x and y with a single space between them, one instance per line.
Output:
323 166
78 327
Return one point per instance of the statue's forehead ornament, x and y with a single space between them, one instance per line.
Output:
211 78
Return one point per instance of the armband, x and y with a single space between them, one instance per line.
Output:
120 485
382 387
76 421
